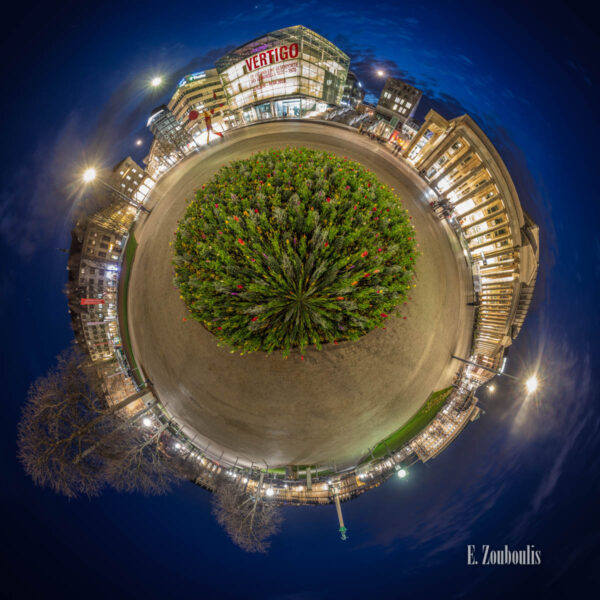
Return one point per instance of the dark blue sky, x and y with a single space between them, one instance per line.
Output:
74 79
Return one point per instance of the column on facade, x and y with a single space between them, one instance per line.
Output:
486 217
436 153
477 207
448 165
462 179
489 230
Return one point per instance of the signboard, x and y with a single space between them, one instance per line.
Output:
85 301
191 78
271 56
272 75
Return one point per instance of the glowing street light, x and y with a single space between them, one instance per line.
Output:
491 388
138 142
156 81
147 422
402 473
380 72
90 175
531 384
270 491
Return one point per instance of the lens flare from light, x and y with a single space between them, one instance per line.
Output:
531 384
89 175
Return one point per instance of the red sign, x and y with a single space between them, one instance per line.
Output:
272 56
193 115
85 301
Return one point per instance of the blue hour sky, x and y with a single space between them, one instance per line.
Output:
75 88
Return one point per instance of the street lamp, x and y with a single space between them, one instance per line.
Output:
491 388
147 422
90 175
138 142
269 492
531 384
380 72
156 81
402 473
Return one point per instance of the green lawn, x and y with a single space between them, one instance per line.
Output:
130 249
414 426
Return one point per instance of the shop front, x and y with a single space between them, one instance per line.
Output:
289 73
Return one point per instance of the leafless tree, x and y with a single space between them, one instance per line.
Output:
148 465
68 434
248 518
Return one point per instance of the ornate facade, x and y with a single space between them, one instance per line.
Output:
463 167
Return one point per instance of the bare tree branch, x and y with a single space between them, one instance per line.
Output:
72 441
248 519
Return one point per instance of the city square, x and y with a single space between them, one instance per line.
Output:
304 281
334 405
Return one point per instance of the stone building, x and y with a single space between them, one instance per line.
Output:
398 101
96 246
463 167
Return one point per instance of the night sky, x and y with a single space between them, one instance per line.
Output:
74 78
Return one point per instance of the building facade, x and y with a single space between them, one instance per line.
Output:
203 93
169 133
398 101
94 263
293 72
130 179
354 92
463 167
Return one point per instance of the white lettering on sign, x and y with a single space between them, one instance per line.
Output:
268 57
272 75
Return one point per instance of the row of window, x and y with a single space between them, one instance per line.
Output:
398 100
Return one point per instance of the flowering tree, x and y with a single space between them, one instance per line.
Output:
293 247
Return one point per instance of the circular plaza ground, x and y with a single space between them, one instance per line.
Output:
334 405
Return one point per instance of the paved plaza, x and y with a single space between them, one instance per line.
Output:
335 404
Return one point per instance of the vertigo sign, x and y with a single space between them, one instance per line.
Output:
269 57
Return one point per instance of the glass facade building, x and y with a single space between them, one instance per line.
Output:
293 72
